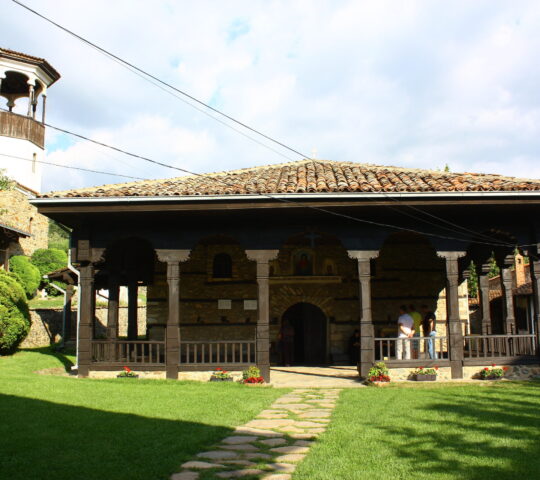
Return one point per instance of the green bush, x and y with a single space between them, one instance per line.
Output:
29 274
48 260
14 314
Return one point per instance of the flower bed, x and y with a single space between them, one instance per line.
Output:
221 375
422 374
127 373
252 376
493 373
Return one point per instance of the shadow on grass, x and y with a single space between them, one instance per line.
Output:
62 356
49 440
494 433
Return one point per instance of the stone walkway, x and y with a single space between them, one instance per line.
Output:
270 446
316 377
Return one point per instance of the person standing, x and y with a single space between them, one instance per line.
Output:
405 333
429 329
417 319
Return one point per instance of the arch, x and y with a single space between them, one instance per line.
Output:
222 266
310 324
407 271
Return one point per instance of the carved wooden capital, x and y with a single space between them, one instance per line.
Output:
169 256
262 256
363 255
96 255
453 255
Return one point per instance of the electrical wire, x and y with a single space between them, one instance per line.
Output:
152 79
70 167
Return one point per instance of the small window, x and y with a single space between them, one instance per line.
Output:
222 267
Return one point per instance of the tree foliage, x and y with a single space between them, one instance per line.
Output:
27 272
48 260
58 236
14 313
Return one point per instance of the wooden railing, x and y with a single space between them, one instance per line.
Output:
19 126
217 352
390 348
497 346
140 352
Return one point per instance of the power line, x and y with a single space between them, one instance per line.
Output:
70 167
168 85
160 83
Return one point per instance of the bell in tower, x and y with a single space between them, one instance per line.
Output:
24 80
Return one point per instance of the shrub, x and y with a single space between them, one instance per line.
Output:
48 260
29 274
14 314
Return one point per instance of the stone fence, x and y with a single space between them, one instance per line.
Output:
47 325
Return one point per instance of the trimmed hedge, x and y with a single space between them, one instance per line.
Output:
29 274
14 313
48 260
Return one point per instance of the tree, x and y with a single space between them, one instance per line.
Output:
14 314
29 274
48 260
58 236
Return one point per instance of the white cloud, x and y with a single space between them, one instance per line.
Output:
417 83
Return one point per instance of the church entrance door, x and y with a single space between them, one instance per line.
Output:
310 331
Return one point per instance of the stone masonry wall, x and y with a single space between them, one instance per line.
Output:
16 211
406 272
46 326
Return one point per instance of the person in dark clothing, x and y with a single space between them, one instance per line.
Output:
286 338
429 329
354 347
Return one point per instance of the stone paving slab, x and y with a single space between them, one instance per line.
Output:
271 445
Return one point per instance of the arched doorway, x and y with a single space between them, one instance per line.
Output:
310 333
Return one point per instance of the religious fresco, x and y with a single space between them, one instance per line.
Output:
303 262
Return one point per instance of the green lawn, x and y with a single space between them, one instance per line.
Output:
66 428
469 432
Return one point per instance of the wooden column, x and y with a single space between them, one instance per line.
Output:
483 284
262 257
44 106
112 308
455 327
30 99
367 333
172 334
508 295
133 290
535 278
86 294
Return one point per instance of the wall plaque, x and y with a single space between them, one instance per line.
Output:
224 304
250 304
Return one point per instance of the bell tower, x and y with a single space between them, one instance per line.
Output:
24 80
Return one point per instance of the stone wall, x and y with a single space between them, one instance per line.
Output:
407 271
46 326
16 211
514 372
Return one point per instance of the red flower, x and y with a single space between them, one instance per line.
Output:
505 369
127 369
493 365
420 368
218 369
436 368
486 368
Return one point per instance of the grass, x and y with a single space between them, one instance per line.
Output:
66 428
440 432
50 302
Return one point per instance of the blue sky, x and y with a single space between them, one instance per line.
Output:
418 84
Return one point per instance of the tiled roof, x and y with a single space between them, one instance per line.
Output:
309 176
31 59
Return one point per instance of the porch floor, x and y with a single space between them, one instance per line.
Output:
315 377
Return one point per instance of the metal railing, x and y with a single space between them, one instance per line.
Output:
392 348
217 352
492 346
143 352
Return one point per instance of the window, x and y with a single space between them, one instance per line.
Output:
222 267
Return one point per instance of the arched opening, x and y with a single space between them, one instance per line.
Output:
310 333
222 266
